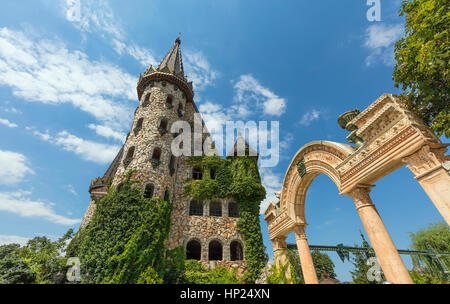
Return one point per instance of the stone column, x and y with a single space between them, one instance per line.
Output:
309 272
390 261
431 169
280 253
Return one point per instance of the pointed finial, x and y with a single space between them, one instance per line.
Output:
178 38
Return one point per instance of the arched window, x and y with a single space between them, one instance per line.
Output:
215 251
236 251
215 209
195 208
180 110
163 125
167 195
212 173
146 100
197 173
193 250
149 190
156 154
139 123
130 153
172 164
233 209
169 101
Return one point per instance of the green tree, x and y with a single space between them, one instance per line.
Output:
359 261
422 68
435 237
13 268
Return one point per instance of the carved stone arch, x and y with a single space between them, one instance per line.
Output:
319 157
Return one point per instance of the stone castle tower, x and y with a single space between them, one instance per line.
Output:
208 231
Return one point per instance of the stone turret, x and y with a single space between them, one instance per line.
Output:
208 232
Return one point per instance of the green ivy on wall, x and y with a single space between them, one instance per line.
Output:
235 178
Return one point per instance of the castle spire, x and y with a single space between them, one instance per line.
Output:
173 62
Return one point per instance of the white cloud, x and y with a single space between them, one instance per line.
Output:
272 182
380 40
14 167
86 149
19 203
10 239
198 70
46 71
7 123
72 190
248 89
108 132
309 117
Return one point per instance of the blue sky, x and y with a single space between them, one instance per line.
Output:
67 96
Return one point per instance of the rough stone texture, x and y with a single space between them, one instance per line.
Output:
144 140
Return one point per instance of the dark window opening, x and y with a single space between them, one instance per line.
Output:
215 251
163 124
119 187
149 190
197 173
212 173
180 110
156 154
195 208
215 209
167 195
139 123
172 164
236 251
146 100
130 153
233 209
193 250
169 100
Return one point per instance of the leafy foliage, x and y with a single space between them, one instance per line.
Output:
359 261
40 261
435 237
124 242
322 262
195 273
423 56
236 178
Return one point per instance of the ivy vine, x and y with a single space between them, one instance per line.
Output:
235 178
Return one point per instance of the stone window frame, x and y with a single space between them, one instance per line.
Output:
200 172
189 208
172 166
170 97
221 208
127 159
156 162
228 209
145 187
161 130
238 240
146 100
202 244
222 242
180 110
139 125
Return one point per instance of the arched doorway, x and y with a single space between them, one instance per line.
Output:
193 250
215 251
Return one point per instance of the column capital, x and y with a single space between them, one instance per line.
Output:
427 159
299 231
279 242
361 196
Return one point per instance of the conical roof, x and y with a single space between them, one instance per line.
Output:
172 62
241 148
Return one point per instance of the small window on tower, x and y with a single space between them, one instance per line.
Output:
163 126
169 101
180 110
156 154
146 100
139 123
130 153
197 173
149 190
172 165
